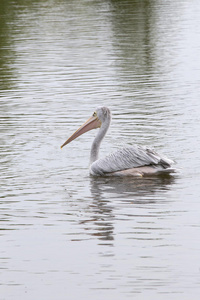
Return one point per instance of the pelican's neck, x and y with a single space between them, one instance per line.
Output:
94 154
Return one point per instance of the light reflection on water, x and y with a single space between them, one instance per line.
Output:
62 232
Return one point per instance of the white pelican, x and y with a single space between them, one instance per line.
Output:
132 160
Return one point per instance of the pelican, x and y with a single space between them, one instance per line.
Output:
133 160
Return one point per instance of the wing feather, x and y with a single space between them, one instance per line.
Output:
128 158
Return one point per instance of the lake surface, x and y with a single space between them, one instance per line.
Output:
64 234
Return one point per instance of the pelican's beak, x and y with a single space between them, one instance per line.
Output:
92 123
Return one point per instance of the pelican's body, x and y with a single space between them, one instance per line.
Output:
133 160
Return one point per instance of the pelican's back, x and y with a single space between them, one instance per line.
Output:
128 158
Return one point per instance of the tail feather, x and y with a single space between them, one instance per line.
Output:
166 171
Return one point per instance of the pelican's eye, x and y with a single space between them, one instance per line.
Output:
95 114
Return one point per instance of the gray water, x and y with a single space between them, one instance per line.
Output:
65 235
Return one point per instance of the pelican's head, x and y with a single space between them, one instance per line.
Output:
101 116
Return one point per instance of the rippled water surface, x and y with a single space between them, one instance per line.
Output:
64 234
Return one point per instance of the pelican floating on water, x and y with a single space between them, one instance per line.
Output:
132 160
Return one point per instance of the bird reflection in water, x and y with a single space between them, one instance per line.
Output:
111 193
134 190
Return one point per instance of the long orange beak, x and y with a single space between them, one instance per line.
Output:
92 123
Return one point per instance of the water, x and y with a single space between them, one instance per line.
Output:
65 235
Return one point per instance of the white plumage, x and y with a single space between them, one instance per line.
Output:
132 160
129 158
